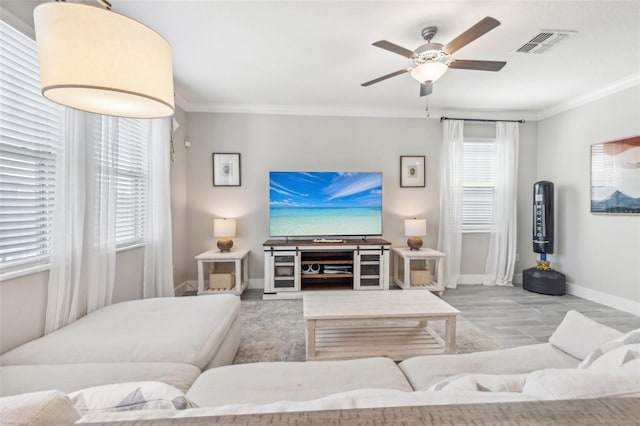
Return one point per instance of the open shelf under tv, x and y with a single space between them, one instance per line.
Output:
334 269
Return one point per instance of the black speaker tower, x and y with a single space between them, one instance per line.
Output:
542 278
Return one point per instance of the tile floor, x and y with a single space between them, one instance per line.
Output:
516 317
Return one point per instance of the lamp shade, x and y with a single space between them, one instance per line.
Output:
415 227
429 71
95 60
224 228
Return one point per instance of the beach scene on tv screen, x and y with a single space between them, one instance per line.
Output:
325 203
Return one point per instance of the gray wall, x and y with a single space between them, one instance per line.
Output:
597 252
22 308
274 142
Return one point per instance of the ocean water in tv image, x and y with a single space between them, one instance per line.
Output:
324 221
325 203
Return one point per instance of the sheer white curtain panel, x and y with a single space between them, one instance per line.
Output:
451 190
82 270
501 256
158 257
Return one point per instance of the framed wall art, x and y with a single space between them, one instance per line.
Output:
412 171
226 169
615 177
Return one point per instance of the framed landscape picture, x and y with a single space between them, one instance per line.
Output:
615 177
226 169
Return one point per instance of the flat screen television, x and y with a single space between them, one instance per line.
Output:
318 204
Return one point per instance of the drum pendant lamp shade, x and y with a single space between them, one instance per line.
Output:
96 60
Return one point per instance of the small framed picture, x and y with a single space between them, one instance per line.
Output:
412 171
226 169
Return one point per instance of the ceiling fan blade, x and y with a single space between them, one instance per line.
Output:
482 27
384 77
465 64
426 89
387 45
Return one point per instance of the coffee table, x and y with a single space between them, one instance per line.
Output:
394 323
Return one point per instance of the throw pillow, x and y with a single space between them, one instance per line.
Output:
481 383
578 384
578 335
604 357
130 396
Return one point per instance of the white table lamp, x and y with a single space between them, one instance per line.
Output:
224 229
414 229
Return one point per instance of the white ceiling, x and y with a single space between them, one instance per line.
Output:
311 56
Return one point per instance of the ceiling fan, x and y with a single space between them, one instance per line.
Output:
432 60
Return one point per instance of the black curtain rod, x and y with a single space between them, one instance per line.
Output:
481 120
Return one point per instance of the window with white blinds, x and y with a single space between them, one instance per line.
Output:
28 149
131 175
123 170
479 181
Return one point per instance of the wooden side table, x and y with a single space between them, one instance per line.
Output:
402 258
240 260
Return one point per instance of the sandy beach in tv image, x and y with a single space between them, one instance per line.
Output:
325 203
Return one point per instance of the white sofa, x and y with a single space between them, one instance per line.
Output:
583 359
169 339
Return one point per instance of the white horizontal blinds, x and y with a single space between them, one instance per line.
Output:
479 180
131 175
28 149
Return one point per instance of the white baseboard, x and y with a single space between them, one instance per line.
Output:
615 302
517 278
469 279
256 283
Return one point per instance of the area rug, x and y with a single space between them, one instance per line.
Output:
273 330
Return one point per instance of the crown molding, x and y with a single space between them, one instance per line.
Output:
609 89
484 114
434 113
311 110
17 23
181 101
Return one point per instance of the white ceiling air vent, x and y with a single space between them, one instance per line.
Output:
544 40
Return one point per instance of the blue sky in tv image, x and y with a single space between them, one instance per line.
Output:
325 189
325 203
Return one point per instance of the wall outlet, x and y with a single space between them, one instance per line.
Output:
517 257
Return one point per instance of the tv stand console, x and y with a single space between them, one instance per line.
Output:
293 266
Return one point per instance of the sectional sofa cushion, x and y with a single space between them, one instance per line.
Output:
424 371
17 379
262 383
187 330
578 335
38 408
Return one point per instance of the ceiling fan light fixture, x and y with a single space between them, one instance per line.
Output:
95 60
429 71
